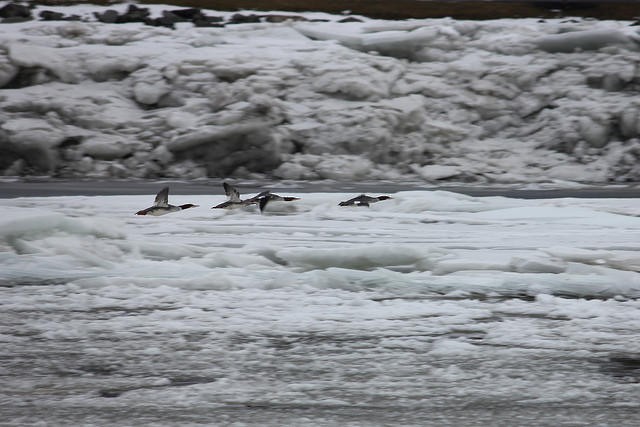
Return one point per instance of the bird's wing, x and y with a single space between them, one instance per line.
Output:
351 201
222 205
162 198
232 193
259 196
263 202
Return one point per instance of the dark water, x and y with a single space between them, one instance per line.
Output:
46 188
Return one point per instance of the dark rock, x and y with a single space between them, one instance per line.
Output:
167 19
134 14
239 18
187 14
211 18
350 19
208 21
109 16
283 18
15 10
49 15
172 17
163 21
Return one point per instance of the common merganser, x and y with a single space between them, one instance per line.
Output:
260 199
235 201
267 196
363 200
161 205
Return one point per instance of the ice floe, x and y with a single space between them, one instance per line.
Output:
420 303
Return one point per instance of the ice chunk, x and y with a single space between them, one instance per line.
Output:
149 93
399 44
436 172
7 71
354 258
106 147
210 134
34 223
596 134
36 140
584 40
32 55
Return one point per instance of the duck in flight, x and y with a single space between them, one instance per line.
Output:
363 200
267 196
260 199
234 201
161 205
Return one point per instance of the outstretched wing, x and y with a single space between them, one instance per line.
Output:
162 198
263 201
258 197
232 193
350 201
361 200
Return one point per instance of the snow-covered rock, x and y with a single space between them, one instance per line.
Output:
434 99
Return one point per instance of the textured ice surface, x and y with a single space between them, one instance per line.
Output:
314 314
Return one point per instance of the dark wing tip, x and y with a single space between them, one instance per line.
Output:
263 202
188 205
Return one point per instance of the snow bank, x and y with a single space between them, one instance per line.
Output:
300 98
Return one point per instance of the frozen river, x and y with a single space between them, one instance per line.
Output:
432 308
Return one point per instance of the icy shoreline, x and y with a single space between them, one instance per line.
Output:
437 100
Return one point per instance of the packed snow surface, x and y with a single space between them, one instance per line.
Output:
310 97
430 308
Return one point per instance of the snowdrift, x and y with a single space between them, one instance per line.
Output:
311 96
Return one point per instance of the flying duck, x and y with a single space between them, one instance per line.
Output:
235 201
363 200
161 205
267 196
260 199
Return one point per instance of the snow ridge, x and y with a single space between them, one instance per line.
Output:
499 101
